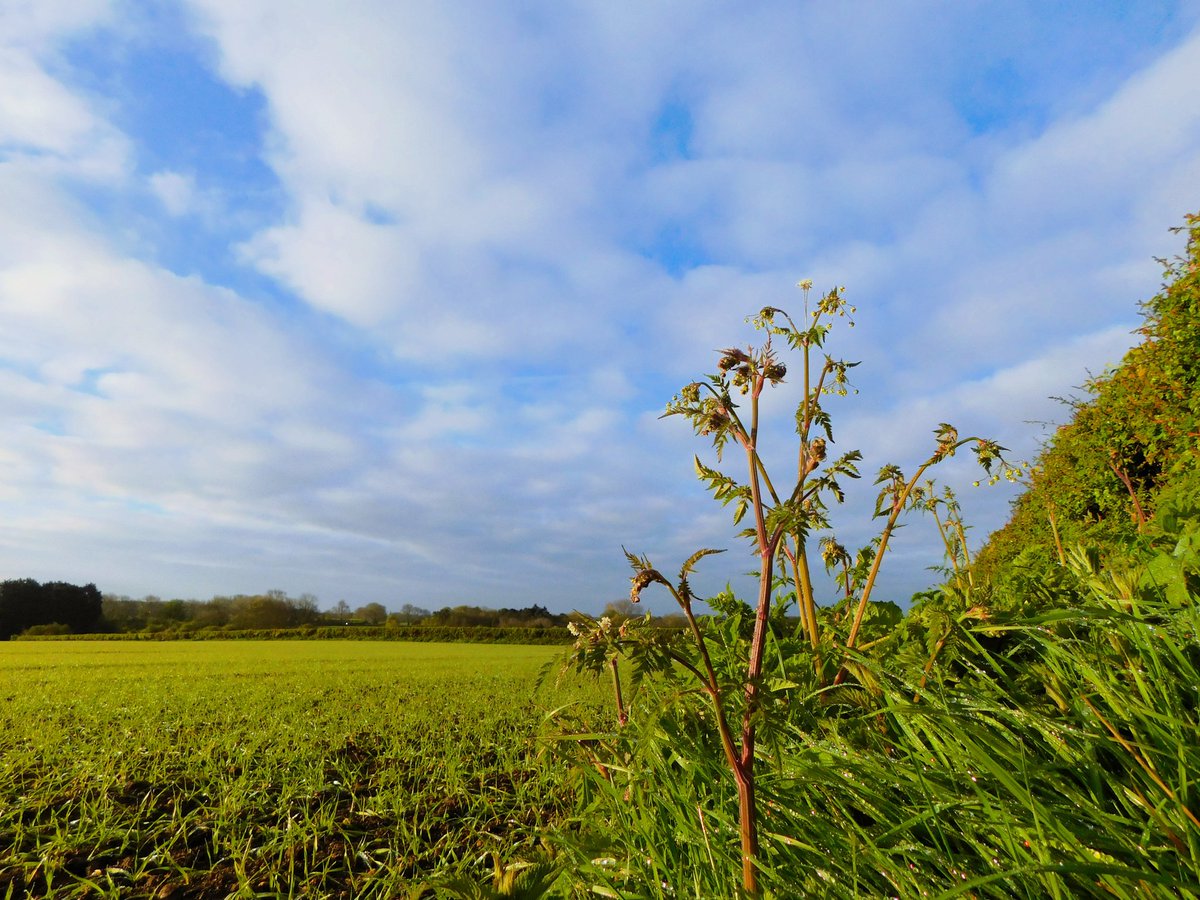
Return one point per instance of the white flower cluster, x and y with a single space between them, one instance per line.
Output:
604 626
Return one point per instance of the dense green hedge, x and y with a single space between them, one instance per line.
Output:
1102 475
425 633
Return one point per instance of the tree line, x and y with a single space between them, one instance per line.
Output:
276 610
60 608
54 606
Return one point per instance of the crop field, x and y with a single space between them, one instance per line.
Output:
315 769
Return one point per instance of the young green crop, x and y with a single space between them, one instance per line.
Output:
316 769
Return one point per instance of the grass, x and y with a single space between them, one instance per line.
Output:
1056 758
316 769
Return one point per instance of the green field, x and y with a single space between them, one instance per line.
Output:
316 769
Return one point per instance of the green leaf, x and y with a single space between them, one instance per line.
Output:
693 559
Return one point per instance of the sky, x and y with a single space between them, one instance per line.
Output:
383 301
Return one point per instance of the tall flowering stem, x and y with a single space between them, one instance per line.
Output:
782 523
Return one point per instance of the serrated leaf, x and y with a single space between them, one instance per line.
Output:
739 511
638 563
693 559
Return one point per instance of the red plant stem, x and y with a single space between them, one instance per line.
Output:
1139 514
744 772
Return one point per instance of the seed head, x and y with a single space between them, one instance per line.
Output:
832 553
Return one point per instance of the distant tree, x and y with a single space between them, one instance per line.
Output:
274 609
175 611
79 608
260 612
339 614
620 610
214 613
463 616
372 613
121 613
20 603
476 616
409 614
673 620
307 609
25 603
153 613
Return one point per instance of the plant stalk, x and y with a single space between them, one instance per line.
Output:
622 715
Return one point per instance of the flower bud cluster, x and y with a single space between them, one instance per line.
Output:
733 357
716 417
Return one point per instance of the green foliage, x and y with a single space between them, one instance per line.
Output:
515 881
24 604
1049 755
1099 479
54 628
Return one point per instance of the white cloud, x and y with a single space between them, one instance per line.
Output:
1146 132
46 127
176 191
40 23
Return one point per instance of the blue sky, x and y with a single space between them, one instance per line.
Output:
382 301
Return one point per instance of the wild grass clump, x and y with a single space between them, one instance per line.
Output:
1058 759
